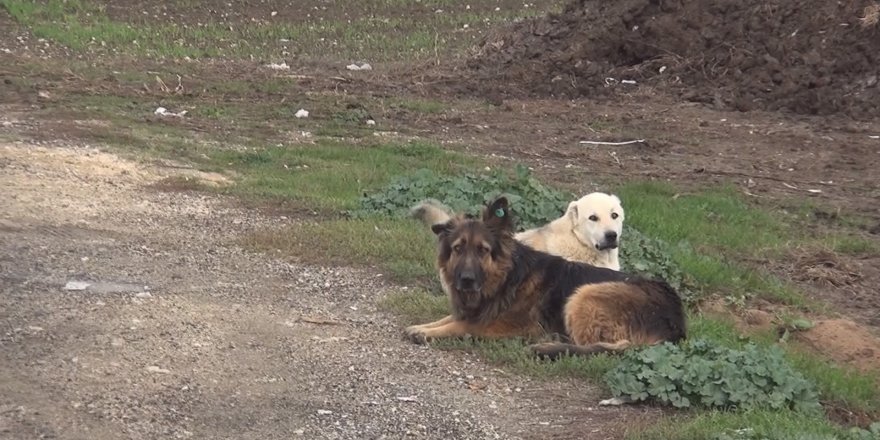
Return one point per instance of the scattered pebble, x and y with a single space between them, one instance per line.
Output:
155 369
77 285
364 66
302 113
324 412
162 111
275 66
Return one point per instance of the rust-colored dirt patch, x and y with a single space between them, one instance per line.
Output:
846 342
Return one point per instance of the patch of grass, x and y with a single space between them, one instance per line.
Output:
712 220
331 175
214 111
854 245
704 226
514 354
385 34
416 306
420 105
749 424
838 386
402 247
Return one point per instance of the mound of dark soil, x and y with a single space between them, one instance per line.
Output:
806 56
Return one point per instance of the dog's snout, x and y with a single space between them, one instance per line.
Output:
467 279
611 236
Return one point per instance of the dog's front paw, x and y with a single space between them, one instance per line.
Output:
416 334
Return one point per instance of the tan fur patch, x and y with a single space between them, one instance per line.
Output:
599 313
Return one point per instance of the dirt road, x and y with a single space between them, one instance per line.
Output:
182 334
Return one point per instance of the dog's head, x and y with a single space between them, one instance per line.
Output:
474 253
597 220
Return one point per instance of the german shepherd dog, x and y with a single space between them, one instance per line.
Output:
500 288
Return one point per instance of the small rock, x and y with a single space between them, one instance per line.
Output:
143 295
324 412
34 328
162 111
155 369
364 66
77 285
302 113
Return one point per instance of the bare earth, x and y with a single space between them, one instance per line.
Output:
182 334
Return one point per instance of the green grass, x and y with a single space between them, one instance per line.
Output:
402 247
712 233
420 105
761 424
838 385
854 245
415 306
385 34
330 175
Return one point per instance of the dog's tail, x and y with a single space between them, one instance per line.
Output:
431 212
555 350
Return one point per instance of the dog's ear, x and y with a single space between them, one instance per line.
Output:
443 228
572 213
616 200
497 214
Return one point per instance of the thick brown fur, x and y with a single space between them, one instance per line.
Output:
500 288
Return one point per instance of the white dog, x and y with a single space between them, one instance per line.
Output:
588 232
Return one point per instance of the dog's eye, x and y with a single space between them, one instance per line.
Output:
457 249
485 250
594 218
614 215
